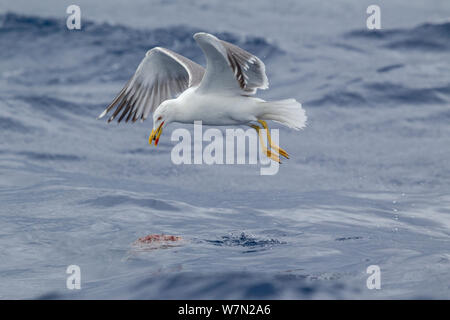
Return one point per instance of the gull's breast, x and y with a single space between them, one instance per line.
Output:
219 110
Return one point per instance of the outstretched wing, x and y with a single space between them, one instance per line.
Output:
161 75
230 67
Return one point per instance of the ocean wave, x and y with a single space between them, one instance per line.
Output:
390 67
231 285
9 124
41 156
399 93
342 98
371 93
427 36
99 51
117 200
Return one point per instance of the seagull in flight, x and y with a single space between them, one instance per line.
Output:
176 89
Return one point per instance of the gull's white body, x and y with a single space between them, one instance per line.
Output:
214 109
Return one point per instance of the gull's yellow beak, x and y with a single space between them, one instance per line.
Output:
155 135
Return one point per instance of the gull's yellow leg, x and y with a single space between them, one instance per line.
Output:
269 140
269 153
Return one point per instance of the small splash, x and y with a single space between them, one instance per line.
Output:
247 241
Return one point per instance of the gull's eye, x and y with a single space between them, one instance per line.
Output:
159 118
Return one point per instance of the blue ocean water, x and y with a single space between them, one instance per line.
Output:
368 182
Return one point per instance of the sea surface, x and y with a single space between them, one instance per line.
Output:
368 182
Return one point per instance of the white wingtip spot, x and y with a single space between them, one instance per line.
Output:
101 115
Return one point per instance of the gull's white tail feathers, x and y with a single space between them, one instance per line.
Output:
288 112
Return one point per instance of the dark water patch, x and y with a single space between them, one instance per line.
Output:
14 272
28 223
54 295
114 201
392 92
16 22
443 90
339 98
349 47
56 107
348 238
422 44
144 151
322 160
441 30
427 36
47 103
390 68
261 290
372 34
432 118
40 156
230 285
10 124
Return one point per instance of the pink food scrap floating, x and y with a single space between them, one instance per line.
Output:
154 238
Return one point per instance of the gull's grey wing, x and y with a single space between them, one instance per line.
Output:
161 75
230 67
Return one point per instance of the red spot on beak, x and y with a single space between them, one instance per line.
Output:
159 133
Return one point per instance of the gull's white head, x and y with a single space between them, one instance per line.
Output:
162 116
